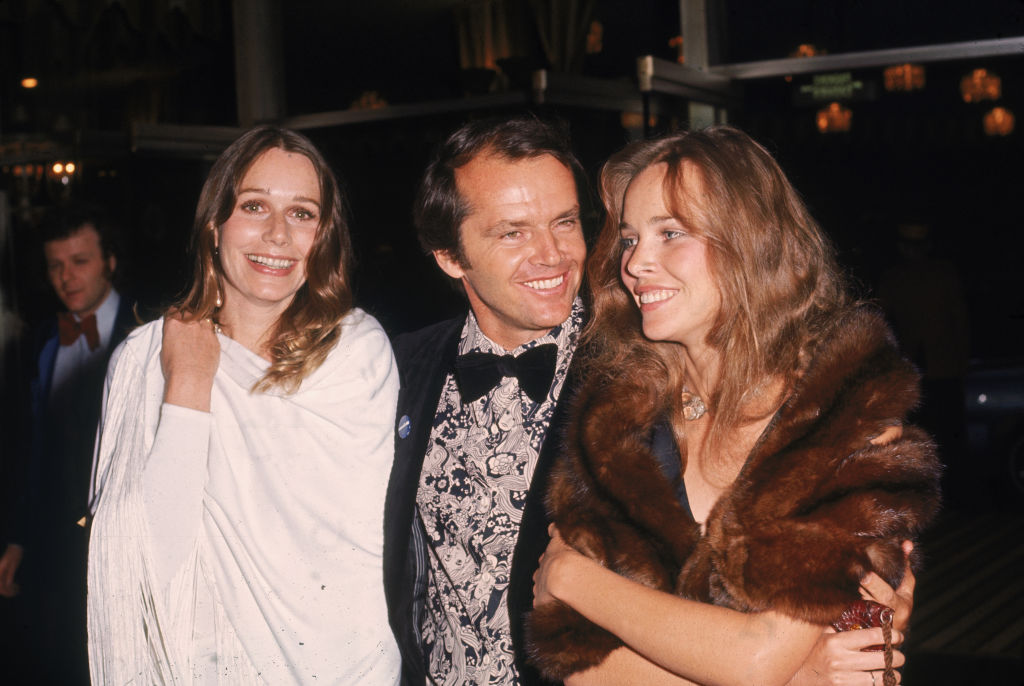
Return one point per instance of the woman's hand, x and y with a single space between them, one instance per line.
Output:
901 600
189 359
551 562
839 659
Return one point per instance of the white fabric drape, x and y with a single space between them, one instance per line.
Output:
267 567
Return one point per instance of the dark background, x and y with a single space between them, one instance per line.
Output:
110 69
105 67
109 72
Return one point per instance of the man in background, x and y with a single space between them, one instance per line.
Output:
47 541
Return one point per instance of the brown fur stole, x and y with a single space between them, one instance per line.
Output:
815 507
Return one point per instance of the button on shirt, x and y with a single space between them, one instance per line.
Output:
473 486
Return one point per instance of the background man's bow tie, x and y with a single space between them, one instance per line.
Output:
69 329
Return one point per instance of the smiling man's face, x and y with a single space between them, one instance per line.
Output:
522 245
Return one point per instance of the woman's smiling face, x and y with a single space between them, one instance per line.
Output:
264 243
664 266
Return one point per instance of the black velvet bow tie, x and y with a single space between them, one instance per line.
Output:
478 373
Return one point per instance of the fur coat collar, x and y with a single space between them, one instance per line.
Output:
814 508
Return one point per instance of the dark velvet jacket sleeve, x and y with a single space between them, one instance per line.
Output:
423 359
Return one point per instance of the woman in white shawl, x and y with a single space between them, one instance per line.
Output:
244 451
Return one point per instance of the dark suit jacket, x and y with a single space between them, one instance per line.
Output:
61 435
425 358
58 442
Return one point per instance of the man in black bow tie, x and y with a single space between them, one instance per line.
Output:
69 357
480 417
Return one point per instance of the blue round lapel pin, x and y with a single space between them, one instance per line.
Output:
404 425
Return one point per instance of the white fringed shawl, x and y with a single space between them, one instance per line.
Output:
122 604
279 578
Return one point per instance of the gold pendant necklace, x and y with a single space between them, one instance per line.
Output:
693 406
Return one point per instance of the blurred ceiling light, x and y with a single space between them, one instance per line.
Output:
905 77
595 38
635 120
981 85
58 168
369 100
834 119
29 82
998 122
806 50
677 43
69 167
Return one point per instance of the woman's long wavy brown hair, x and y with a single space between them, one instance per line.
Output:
776 271
310 326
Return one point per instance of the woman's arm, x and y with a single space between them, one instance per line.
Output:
706 643
837 658
624 667
175 471
834 658
840 658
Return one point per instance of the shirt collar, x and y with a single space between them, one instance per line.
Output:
106 314
565 335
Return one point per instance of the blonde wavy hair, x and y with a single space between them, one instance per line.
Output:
309 328
776 272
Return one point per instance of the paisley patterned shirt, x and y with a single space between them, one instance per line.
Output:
472 490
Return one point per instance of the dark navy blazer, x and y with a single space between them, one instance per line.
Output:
62 432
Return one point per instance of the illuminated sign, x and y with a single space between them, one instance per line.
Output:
833 87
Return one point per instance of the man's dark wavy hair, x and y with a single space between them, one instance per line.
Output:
439 209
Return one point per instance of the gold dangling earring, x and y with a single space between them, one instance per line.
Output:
219 302
216 309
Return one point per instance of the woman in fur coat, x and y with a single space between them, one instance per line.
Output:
732 475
